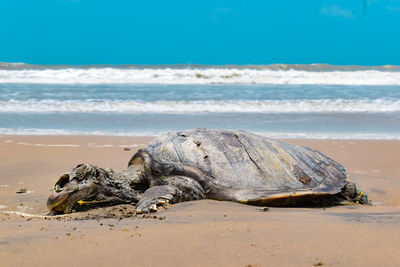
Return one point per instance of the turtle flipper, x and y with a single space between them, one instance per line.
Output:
175 189
350 194
155 196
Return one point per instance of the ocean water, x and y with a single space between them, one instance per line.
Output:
292 101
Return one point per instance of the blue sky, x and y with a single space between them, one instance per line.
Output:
204 32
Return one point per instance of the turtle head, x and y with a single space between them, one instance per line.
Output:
80 186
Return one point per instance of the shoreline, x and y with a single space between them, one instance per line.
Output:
151 137
213 233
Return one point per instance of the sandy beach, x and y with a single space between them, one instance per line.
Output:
86 83
198 233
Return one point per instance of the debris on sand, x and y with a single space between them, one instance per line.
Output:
264 209
22 191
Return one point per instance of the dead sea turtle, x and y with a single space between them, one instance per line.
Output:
214 164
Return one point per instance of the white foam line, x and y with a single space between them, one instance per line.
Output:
8 141
202 106
100 146
23 208
33 131
3 207
294 135
361 172
24 144
4 185
57 145
197 76
134 145
330 136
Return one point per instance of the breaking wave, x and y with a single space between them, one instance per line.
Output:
285 135
212 106
289 74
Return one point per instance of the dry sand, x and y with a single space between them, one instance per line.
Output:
197 233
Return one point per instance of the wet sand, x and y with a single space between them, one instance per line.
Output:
197 233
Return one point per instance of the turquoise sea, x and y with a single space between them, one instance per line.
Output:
295 101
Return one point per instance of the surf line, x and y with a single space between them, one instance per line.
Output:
58 145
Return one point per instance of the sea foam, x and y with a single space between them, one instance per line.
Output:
211 75
272 134
211 106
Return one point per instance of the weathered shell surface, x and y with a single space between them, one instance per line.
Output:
250 165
